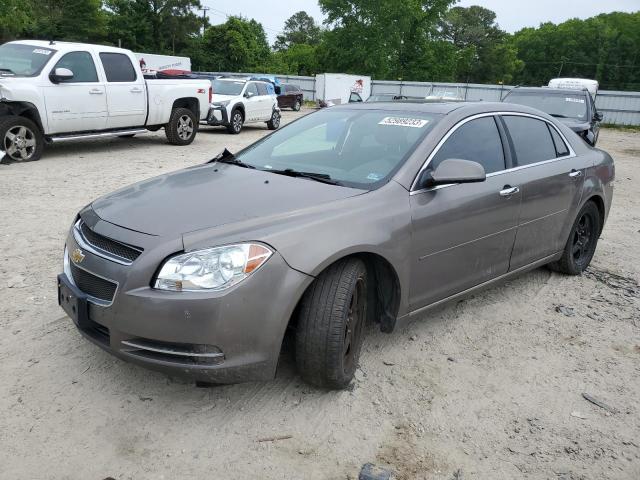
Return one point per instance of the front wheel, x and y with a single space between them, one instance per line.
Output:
331 325
274 123
182 127
21 139
237 120
297 106
582 242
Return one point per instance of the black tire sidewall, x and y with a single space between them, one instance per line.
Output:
568 263
14 121
171 129
232 128
296 106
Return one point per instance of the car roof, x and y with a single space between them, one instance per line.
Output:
69 46
550 91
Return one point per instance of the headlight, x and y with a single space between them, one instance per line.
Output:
221 104
211 269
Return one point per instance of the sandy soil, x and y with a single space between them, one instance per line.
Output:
488 388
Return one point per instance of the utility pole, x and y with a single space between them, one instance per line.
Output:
204 10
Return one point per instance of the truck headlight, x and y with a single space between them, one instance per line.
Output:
212 268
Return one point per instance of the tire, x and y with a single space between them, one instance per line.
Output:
274 123
582 242
20 139
297 106
235 122
182 127
331 324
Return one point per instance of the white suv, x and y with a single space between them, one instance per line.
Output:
236 102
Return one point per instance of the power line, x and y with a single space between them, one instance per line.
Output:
227 15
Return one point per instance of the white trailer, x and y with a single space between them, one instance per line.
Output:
337 88
575 84
152 63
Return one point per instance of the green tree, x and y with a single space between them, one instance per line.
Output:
15 18
159 26
74 20
299 29
384 38
236 45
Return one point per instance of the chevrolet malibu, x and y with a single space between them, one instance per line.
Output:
375 212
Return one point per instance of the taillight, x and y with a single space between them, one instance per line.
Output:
210 94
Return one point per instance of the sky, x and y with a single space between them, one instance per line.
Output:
512 15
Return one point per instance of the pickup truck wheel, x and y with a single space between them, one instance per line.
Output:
296 106
330 328
274 123
237 119
182 127
582 242
21 139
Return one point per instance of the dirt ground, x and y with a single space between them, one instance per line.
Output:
487 388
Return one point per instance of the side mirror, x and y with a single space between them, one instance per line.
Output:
452 171
248 94
60 75
598 117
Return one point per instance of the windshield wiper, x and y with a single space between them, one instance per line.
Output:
227 157
318 177
558 115
6 70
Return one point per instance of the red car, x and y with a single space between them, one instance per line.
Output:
290 96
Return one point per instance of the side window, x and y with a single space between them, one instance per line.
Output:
531 139
262 89
252 89
82 66
355 97
561 148
479 141
118 67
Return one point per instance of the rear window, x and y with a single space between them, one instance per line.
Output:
565 105
118 67
531 139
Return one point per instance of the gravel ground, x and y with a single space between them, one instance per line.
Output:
488 388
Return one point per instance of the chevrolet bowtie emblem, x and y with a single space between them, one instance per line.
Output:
77 256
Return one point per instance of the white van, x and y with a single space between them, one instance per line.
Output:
575 84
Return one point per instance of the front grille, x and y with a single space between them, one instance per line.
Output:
108 245
93 285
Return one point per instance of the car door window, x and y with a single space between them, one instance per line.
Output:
262 89
355 98
479 141
251 89
531 139
561 148
82 66
118 67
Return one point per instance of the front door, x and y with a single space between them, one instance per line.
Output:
551 180
463 234
78 104
126 95
252 103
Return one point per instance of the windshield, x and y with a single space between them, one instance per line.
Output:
228 87
566 105
23 60
357 148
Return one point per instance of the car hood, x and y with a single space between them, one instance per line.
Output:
575 124
211 195
215 98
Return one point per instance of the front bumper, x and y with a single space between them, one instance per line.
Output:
229 336
217 116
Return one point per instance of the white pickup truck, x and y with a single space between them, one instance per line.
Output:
58 91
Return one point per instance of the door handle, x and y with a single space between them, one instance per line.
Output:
96 91
136 90
575 173
508 191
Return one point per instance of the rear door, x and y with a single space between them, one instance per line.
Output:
463 233
551 178
78 104
285 99
126 95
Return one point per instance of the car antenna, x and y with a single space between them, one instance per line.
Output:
52 42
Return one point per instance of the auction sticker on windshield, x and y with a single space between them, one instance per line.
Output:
574 100
42 51
404 122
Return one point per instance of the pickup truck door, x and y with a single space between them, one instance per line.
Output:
126 91
78 104
252 103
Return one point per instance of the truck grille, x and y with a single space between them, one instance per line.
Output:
109 246
93 285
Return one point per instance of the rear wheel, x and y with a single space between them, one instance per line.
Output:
21 139
297 106
182 127
582 242
331 325
274 123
